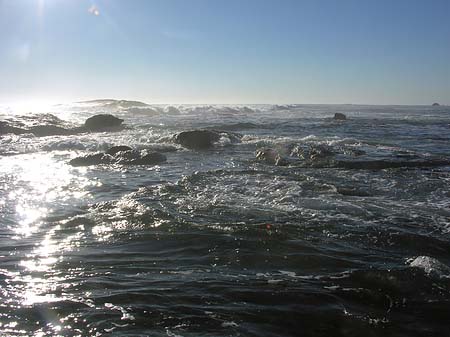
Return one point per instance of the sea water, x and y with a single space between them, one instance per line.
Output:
218 243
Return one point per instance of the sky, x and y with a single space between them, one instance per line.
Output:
226 51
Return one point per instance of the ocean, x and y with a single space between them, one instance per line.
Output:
348 234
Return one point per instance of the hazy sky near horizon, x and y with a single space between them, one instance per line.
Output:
227 51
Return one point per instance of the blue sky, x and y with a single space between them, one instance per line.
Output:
226 51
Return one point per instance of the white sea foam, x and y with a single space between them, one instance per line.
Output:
431 266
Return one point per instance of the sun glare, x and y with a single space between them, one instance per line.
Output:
94 10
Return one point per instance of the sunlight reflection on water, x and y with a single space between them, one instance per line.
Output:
39 180
38 184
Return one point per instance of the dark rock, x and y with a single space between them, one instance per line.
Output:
436 104
113 150
205 139
103 123
354 152
49 130
161 148
127 157
44 125
271 156
152 158
197 139
39 130
92 159
321 151
340 116
5 128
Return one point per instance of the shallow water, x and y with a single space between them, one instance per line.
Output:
216 243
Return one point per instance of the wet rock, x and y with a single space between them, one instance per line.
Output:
151 158
197 139
113 150
44 125
127 157
5 128
436 104
340 116
50 130
353 152
92 159
313 152
103 123
39 125
38 130
271 156
431 266
320 152
161 148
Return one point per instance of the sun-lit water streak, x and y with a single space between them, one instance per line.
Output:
39 181
41 184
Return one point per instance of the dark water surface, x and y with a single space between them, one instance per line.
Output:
352 238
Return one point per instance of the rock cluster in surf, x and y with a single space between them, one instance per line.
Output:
121 155
322 155
50 125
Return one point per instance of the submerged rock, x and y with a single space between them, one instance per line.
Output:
151 158
387 164
313 151
51 130
271 156
340 116
92 159
352 192
103 122
37 130
122 155
321 151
